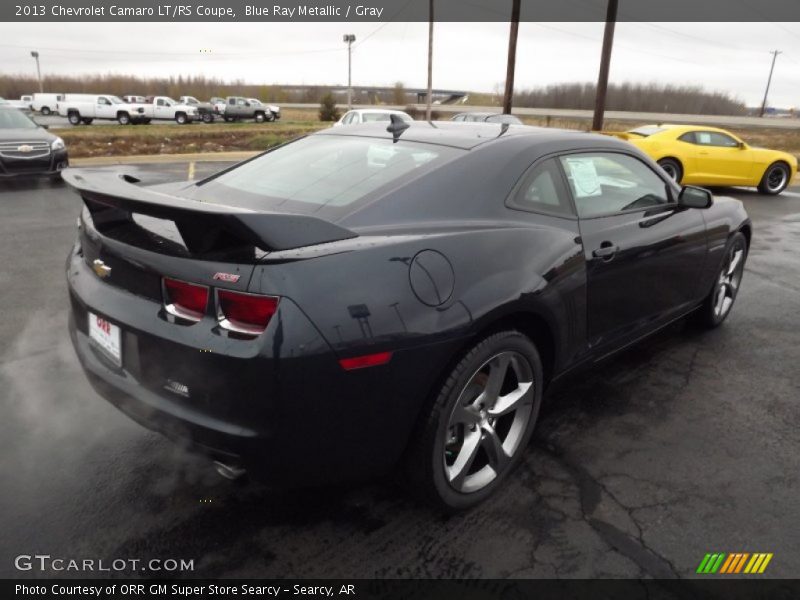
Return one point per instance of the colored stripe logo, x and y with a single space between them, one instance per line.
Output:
734 563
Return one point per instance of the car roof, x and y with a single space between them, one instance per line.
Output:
467 135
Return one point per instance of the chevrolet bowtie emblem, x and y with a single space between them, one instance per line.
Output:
101 269
25 148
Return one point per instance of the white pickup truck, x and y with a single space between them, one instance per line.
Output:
85 109
167 109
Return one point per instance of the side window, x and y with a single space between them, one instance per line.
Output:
605 183
688 138
161 102
542 190
712 138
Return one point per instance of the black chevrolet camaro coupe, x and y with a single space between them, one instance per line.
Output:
28 149
367 298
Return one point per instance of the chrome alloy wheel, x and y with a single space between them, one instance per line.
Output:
729 279
670 170
488 422
777 179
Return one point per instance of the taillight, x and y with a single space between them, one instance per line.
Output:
368 360
245 313
185 300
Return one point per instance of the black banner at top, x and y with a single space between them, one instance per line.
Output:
395 10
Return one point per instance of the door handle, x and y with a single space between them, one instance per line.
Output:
606 250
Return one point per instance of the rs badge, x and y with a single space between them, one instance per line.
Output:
229 277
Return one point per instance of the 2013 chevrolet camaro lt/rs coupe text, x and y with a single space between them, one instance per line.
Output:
373 297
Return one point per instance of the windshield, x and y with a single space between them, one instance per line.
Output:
14 119
323 172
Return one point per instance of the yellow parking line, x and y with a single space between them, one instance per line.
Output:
753 561
191 171
765 563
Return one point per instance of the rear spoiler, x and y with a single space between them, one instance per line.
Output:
623 135
112 197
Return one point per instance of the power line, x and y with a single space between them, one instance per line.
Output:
177 54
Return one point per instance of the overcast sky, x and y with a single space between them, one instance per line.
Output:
730 57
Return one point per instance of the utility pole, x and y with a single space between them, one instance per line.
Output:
35 55
349 38
430 62
605 63
512 57
769 81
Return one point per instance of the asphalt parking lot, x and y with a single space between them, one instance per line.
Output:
686 445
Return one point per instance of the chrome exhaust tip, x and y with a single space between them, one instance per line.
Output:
230 472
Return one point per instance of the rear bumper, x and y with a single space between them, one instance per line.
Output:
281 407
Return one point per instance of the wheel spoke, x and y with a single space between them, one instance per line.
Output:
720 300
511 401
466 415
497 375
494 448
457 472
735 260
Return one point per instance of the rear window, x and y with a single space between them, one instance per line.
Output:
647 130
324 172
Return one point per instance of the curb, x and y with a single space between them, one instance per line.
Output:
161 158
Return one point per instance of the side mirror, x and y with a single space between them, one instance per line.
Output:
45 126
695 197
742 146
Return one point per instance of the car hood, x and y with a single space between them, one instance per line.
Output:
26 135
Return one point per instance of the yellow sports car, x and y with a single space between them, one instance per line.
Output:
696 155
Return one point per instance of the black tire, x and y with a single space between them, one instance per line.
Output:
442 436
229 119
74 118
46 111
87 121
124 118
208 118
775 179
673 168
260 117
716 308
181 119
146 121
